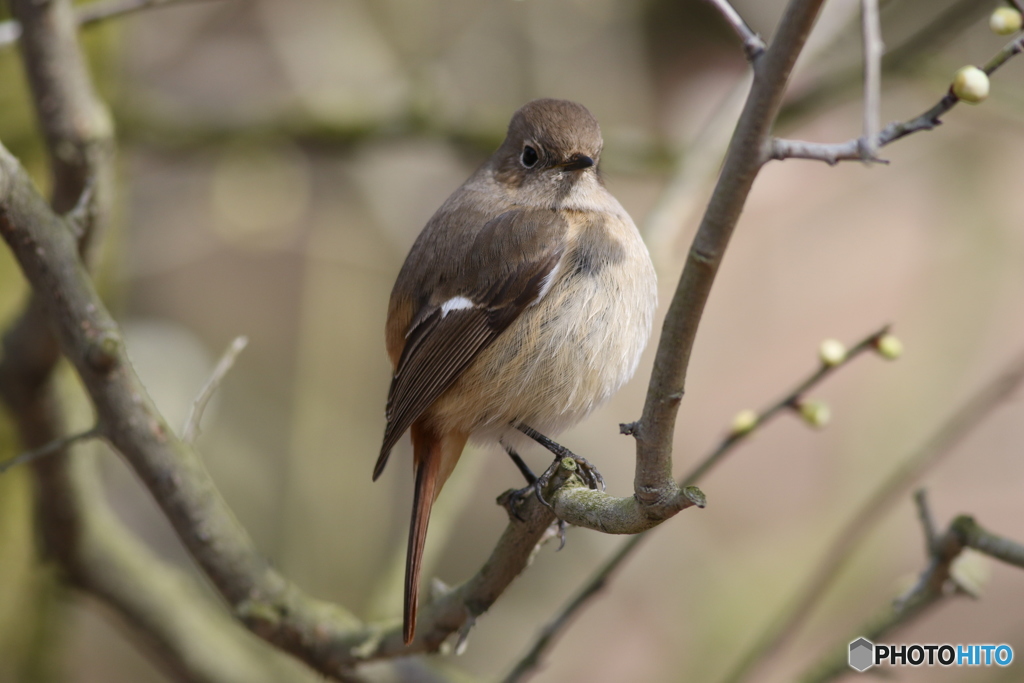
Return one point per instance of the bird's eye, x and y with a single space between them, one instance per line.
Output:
529 156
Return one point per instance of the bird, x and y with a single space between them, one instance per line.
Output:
525 302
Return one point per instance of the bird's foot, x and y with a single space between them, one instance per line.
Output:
514 499
587 472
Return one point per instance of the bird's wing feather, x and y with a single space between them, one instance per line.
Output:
508 267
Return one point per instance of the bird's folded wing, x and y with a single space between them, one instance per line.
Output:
510 266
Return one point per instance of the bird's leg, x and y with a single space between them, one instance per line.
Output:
513 499
516 497
591 477
523 467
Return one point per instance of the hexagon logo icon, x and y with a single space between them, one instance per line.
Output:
862 654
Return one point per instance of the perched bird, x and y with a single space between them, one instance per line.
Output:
525 302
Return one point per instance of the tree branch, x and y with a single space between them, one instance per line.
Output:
930 589
190 431
654 485
93 13
951 432
852 150
873 50
53 447
790 401
175 618
96 12
546 638
753 46
323 635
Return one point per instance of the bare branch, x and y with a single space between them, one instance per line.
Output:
178 622
55 446
789 401
190 431
950 433
653 483
753 46
851 150
108 9
873 50
175 618
10 31
929 590
545 640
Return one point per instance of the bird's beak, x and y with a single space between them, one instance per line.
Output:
577 162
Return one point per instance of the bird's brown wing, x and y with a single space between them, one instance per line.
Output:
470 302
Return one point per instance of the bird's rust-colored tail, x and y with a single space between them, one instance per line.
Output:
434 458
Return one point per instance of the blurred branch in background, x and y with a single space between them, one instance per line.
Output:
972 414
938 581
190 431
94 552
94 13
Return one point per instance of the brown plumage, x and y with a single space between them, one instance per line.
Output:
526 299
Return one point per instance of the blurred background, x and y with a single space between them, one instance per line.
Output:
277 161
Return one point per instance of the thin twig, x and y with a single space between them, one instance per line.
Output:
93 13
789 401
951 432
753 46
873 50
190 432
545 639
55 446
851 150
972 535
100 11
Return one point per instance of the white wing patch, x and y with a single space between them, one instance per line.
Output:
549 280
456 303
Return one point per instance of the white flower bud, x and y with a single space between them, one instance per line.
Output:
970 84
744 422
832 352
815 413
1005 20
889 347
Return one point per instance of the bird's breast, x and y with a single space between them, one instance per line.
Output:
568 353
